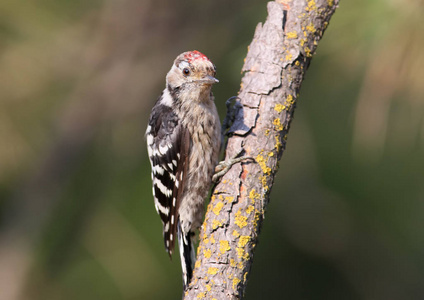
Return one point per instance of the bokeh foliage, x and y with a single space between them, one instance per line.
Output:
77 81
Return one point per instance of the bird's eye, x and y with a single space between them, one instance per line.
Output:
186 71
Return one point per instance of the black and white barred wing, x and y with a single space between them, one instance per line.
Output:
168 145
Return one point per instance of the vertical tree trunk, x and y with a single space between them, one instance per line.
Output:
274 68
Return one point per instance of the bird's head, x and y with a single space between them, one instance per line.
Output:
191 71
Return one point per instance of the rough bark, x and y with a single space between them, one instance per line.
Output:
274 68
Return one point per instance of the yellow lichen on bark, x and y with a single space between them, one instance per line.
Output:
311 28
216 224
254 195
208 253
236 281
277 124
197 264
249 209
217 209
212 271
241 221
279 107
224 246
278 143
289 101
291 35
229 199
232 263
261 161
243 240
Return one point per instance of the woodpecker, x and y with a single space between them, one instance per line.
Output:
183 141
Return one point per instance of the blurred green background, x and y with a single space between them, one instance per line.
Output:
77 82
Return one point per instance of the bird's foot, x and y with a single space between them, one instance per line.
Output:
224 166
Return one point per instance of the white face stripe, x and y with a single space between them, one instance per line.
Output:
183 65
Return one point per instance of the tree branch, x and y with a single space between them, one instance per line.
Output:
274 68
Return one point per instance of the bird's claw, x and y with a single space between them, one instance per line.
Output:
224 166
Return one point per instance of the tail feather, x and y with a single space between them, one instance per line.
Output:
187 255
